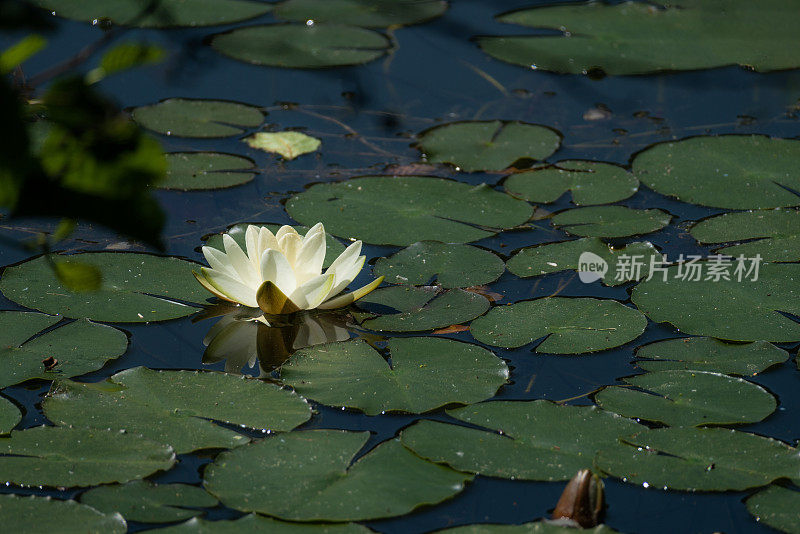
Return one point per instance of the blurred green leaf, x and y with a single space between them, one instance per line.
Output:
125 56
16 54
78 276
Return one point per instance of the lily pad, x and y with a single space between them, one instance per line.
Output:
531 440
163 14
451 265
443 308
76 348
260 524
61 456
424 373
700 459
288 144
611 221
302 46
727 171
709 354
776 507
364 13
568 325
166 406
400 210
9 416
733 310
536 527
689 398
136 288
775 234
639 38
186 117
311 476
22 514
191 171
487 145
625 264
238 231
149 503
590 182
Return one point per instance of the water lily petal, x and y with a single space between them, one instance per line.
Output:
240 262
228 288
218 260
275 268
290 245
347 298
308 263
251 245
273 301
346 258
266 241
285 230
311 294
346 274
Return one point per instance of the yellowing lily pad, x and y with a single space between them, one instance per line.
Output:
688 398
186 117
311 476
288 144
568 325
639 37
191 171
401 210
727 171
45 514
452 265
61 456
304 46
165 406
424 373
364 13
590 182
709 354
136 288
611 221
487 145
531 440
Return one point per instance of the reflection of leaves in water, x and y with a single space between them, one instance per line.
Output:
243 337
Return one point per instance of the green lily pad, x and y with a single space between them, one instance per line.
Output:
22 514
288 144
727 171
364 13
191 171
531 440
136 288
776 507
775 234
709 354
62 456
186 117
302 46
400 210
639 38
258 524
452 265
689 398
487 145
166 406
733 310
700 459
77 348
311 476
163 14
9 416
238 231
611 221
569 325
424 373
443 308
149 503
536 527
590 182
626 264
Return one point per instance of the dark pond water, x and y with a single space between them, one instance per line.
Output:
438 75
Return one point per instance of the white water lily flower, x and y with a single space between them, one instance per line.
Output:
282 272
